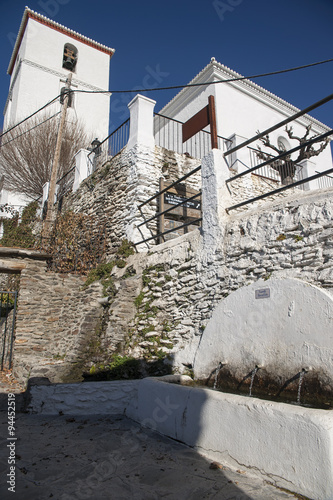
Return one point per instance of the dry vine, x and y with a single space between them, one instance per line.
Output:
77 243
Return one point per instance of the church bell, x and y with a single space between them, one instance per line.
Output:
69 59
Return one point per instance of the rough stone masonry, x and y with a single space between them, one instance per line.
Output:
176 285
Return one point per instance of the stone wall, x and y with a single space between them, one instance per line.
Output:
162 307
293 239
163 298
56 319
110 398
114 191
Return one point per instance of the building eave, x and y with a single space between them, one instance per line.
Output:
215 71
30 14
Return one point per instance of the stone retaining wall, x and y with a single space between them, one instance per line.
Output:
55 320
114 191
177 284
180 288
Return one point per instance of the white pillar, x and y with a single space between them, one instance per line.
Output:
141 122
46 188
84 160
3 196
215 199
45 192
308 169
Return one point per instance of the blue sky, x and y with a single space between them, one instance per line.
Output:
168 43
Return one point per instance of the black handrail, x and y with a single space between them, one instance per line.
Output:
170 186
280 124
113 132
282 155
169 231
69 171
279 190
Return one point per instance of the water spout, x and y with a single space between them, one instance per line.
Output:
301 377
217 371
253 374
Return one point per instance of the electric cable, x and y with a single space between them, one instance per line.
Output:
30 116
205 83
173 87
29 130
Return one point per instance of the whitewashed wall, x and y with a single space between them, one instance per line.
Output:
38 72
289 445
242 108
271 324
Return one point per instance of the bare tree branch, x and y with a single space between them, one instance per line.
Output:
26 153
286 166
301 140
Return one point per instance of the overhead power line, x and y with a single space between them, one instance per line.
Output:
207 83
30 116
173 87
29 130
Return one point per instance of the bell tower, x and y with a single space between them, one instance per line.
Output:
44 54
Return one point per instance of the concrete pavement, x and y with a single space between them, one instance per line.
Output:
76 458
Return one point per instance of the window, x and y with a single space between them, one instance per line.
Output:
70 57
283 144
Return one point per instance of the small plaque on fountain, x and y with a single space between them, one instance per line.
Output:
263 293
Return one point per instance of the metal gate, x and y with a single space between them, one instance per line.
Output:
8 302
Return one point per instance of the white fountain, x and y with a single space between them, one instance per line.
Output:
281 329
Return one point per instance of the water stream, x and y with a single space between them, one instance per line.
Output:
292 391
252 379
301 377
217 371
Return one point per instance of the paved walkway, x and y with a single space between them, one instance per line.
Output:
101 458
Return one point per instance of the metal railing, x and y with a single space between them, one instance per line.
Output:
116 141
8 302
65 183
268 172
119 138
326 181
168 134
290 174
280 190
274 160
183 203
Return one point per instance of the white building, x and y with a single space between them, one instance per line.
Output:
10 202
44 54
16 200
242 109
